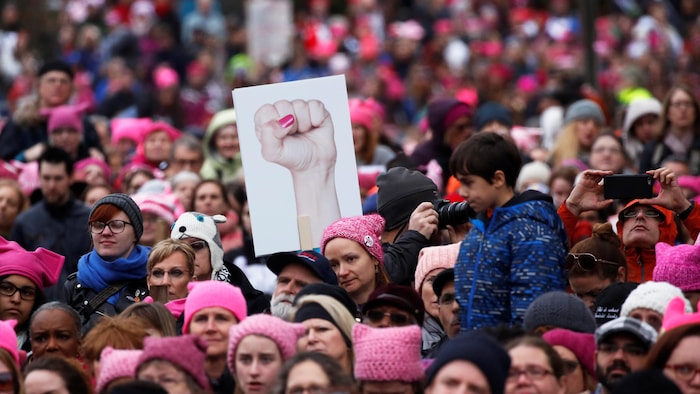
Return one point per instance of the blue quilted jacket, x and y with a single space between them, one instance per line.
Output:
506 262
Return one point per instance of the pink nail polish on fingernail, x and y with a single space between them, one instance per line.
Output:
286 121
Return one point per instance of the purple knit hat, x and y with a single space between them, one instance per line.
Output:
186 352
115 364
678 265
282 333
386 354
581 344
211 293
365 230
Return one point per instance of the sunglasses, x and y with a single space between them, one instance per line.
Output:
647 212
585 261
398 319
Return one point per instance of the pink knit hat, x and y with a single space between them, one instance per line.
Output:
162 204
361 114
678 265
211 293
83 164
365 230
386 354
115 364
186 352
581 344
41 266
282 333
8 339
432 258
65 116
165 77
129 128
171 131
676 315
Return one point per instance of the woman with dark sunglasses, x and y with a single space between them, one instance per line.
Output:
113 275
595 263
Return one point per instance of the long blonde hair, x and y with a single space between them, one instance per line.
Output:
566 146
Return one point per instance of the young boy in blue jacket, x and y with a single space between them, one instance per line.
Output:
516 247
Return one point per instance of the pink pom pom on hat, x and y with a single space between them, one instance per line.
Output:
285 335
678 265
365 230
387 354
116 364
8 339
676 315
65 116
211 293
42 266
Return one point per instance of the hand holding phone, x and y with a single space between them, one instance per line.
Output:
628 186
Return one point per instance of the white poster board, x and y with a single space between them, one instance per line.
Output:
270 31
298 160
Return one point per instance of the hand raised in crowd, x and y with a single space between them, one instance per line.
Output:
424 219
671 195
296 134
588 193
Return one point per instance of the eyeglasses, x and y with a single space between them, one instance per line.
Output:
26 293
115 226
570 366
678 104
447 299
683 371
174 273
532 372
629 349
648 213
7 381
396 318
198 245
585 261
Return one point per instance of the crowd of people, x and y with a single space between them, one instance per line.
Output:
489 257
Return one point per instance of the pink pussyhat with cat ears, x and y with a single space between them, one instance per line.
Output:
675 315
65 116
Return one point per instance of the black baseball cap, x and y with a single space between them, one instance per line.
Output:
442 279
310 259
402 297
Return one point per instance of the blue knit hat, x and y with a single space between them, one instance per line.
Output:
490 112
584 109
478 348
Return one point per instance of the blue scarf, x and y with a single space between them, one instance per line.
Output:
96 274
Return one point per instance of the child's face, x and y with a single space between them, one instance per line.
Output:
480 194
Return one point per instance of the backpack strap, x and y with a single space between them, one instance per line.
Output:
101 297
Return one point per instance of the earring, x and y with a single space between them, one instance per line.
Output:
376 269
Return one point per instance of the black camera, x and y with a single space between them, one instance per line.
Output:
450 213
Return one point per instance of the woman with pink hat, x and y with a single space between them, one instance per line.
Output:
10 374
354 248
23 277
211 309
258 347
365 116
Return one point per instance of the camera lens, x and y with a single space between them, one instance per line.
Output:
453 213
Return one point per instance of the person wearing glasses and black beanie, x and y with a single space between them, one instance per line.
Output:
113 275
595 263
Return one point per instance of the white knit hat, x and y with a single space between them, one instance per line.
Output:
638 108
654 296
533 172
201 226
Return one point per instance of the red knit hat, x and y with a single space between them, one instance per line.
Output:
186 352
365 230
387 354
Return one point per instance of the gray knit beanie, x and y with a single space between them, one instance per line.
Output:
128 206
560 310
584 109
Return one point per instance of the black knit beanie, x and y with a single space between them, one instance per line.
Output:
478 348
609 302
400 191
126 204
